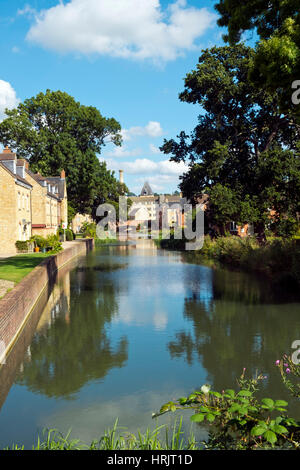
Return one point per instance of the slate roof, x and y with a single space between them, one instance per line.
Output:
146 190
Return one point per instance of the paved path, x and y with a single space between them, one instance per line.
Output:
5 286
8 255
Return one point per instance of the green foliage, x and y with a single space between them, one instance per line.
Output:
285 227
17 267
54 132
243 151
39 241
106 241
290 374
71 213
69 235
278 258
21 245
51 243
118 438
89 230
238 420
276 63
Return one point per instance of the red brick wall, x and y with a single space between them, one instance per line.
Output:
17 304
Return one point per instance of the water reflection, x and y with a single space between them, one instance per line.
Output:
128 328
235 324
71 346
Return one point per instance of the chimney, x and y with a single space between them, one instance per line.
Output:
121 179
63 174
7 150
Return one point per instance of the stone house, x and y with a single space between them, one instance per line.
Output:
146 206
49 202
79 220
30 204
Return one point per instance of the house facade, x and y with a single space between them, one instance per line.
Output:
79 220
149 208
30 204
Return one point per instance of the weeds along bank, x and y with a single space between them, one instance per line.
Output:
278 258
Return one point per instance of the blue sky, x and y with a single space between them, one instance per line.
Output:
126 57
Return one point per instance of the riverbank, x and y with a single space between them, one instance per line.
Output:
278 259
16 306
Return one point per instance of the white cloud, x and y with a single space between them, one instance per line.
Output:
154 149
143 166
152 129
119 152
8 98
131 29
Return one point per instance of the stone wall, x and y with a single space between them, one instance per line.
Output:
17 305
8 228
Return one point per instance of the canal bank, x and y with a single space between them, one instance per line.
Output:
16 306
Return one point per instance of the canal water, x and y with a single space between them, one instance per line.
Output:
127 328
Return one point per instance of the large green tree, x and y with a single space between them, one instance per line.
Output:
55 132
243 149
276 64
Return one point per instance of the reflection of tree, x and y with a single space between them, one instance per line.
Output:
241 286
231 334
75 348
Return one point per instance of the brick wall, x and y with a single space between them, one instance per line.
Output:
17 304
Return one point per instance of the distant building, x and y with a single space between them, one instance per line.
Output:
79 220
147 207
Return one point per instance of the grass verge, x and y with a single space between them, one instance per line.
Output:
17 267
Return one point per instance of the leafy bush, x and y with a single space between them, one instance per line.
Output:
70 236
278 258
238 420
89 230
39 241
51 243
22 246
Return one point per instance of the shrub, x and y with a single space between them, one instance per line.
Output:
53 244
22 246
238 420
69 235
89 230
39 241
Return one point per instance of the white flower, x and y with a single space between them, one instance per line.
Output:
205 389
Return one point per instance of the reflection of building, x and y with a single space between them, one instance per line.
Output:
58 304
30 204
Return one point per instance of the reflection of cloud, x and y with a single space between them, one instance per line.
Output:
160 321
89 421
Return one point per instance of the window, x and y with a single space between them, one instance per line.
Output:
233 227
